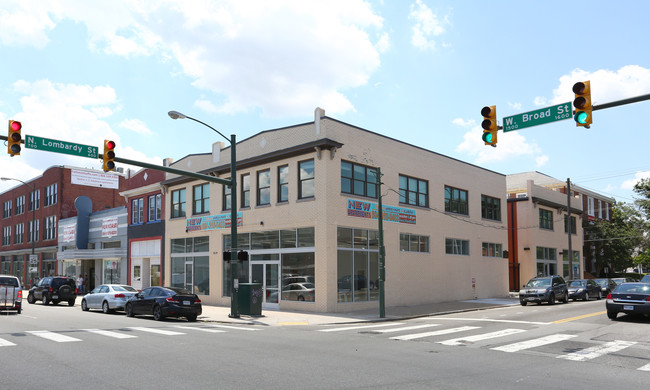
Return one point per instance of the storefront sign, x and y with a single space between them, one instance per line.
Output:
69 233
362 209
109 227
211 222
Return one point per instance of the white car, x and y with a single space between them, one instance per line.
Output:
108 297
11 293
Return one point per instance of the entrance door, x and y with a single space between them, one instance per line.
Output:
266 273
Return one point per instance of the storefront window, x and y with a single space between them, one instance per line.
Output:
202 275
298 281
111 271
357 265
190 264
178 272
155 275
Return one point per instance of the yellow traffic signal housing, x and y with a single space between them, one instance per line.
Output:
489 125
109 156
582 103
14 138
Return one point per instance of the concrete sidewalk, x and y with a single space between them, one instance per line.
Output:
288 318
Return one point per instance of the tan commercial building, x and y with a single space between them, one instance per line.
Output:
307 215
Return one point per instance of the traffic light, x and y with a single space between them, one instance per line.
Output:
582 103
489 125
109 155
14 138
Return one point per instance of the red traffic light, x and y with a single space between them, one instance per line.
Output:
16 126
110 144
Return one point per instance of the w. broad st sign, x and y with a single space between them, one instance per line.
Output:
538 117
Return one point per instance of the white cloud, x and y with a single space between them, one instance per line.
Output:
427 26
516 106
136 125
25 23
464 123
629 184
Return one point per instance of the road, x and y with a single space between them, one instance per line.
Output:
532 347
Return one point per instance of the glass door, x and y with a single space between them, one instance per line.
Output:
267 274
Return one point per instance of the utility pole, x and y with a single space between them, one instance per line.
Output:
382 249
568 223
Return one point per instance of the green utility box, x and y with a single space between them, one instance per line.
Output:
250 299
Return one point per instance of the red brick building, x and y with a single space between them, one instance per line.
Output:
34 207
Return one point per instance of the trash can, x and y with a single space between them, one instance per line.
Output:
250 299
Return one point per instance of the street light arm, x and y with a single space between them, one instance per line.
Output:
178 115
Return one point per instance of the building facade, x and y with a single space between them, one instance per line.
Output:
308 199
32 211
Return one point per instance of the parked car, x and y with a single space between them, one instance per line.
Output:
11 293
108 297
544 289
53 289
298 292
584 289
360 282
297 279
606 286
645 279
164 302
623 280
630 298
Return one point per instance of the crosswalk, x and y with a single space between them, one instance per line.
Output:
444 334
125 333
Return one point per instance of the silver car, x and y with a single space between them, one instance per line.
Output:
108 297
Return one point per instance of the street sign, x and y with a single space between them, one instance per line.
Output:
538 117
33 259
56 146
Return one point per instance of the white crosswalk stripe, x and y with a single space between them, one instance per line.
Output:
109 333
201 329
480 337
233 327
414 327
538 342
357 327
644 368
5 343
158 331
59 338
434 333
598 350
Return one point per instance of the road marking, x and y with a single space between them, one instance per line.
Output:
644 368
158 331
231 327
598 350
59 338
479 337
490 320
435 333
360 327
554 338
578 317
201 329
110 333
5 343
406 328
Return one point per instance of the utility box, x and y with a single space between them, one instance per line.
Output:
250 299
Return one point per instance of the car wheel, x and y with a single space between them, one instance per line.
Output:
31 299
128 310
105 308
523 303
586 297
551 299
46 300
157 313
55 302
84 305
565 299
191 317
611 314
71 302
19 310
600 296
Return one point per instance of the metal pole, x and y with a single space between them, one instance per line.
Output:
382 250
568 202
234 261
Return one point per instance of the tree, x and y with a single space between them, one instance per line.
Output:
642 188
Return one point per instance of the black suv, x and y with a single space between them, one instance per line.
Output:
53 289
544 289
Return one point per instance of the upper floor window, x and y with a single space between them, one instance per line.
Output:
20 232
358 179
283 183
573 225
544 253
492 250
34 200
545 219
6 235
413 243
155 208
246 190
178 203
33 230
490 208
306 179
455 246
137 211
264 187
6 213
456 200
201 198
51 194
227 197
413 191
50 228
591 206
20 204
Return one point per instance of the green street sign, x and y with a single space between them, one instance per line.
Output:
538 117
56 146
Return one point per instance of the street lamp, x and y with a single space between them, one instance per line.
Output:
234 313
32 231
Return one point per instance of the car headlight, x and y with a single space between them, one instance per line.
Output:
580 290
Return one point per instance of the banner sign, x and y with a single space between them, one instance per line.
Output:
362 209
109 227
69 233
211 222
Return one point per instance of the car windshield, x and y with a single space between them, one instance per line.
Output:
645 279
539 282
124 288
308 285
641 288
577 283
601 282
12 282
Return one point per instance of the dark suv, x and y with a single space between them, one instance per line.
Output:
53 289
544 289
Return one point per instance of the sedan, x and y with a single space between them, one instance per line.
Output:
630 298
606 285
298 292
108 297
164 302
584 289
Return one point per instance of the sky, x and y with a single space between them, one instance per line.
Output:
419 71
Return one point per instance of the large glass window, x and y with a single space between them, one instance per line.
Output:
306 186
178 203
298 281
264 187
490 208
190 264
246 190
454 246
358 179
456 201
201 196
357 265
413 191
283 183
545 219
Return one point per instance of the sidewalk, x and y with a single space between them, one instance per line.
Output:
287 318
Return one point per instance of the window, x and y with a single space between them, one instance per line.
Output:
50 228
190 264
34 200
413 243
283 183
6 235
227 197
455 246
306 179
357 265
358 179
178 203
264 187
246 190
492 250
7 209
20 204
413 191
137 211
50 194
590 206
545 219
490 208
573 225
456 201
33 230
546 253
201 199
155 208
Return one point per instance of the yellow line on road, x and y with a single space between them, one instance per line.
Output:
578 317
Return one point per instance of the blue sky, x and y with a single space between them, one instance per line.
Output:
416 70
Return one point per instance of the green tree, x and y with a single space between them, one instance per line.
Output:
642 188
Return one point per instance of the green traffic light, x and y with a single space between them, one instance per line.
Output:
581 117
487 137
